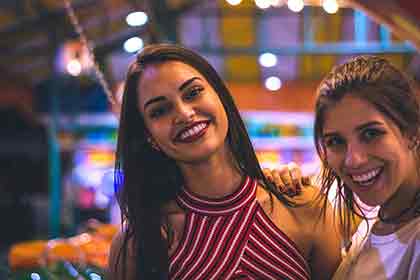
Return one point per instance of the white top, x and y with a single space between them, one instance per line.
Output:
394 256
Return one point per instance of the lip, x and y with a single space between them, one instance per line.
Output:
373 187
359 173
194 137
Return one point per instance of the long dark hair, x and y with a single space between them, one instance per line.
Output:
147 179
378 82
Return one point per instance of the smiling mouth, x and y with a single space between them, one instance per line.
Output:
367 178
192 132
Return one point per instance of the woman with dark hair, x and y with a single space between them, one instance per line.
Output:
194 201
367 121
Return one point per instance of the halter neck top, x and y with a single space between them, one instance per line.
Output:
233 238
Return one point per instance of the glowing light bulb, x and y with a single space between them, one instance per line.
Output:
295 5
330 6
35 276
267 59
277 3
95 276
133 44
74 67
273 83
136 19
263 4
234 2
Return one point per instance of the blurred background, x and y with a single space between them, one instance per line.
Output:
60 59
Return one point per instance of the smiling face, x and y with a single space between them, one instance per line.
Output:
183 114
368 151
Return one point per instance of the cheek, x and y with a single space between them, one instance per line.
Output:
158 131
222 113
333 160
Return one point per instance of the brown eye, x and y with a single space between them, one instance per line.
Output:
158 111
193 93
370 134
333 142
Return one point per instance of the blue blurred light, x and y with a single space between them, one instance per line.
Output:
35 276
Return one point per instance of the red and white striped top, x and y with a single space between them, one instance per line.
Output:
233 238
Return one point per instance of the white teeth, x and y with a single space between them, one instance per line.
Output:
193 130
366 177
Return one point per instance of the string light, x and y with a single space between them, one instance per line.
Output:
330 6
234 2
35 276
295 5
273 83
263 4
79 30
136 19
278 3
74 67
133 44
267 59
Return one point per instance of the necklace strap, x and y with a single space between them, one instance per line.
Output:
415 203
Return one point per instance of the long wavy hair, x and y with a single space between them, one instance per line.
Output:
378 82
147 179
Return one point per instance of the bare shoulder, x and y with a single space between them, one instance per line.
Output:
172 207
296 222
308 225
308 194
309 200
117 255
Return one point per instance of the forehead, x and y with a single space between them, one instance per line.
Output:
164 78
351 112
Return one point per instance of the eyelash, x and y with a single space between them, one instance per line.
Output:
376 134
193 92
334 141
158 111
331 142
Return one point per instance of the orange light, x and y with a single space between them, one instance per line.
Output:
100 158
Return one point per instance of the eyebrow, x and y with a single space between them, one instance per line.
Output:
188 82
372 123
153 100
360 127
162 98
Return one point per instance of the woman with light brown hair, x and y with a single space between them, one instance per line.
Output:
367 121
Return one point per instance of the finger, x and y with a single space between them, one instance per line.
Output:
306 181
267 174
287 181
296 176
277 180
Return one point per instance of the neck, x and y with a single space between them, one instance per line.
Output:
214 177
398 207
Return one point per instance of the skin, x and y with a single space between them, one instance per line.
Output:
173 110
357 143
172 96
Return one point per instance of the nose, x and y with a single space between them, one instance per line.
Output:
184 113
355 155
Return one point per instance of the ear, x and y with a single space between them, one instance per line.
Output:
414 143
153 143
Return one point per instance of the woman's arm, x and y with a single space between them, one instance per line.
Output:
325 254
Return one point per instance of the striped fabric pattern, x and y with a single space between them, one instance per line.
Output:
233 238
